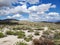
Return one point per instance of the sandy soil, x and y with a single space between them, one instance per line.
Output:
11 39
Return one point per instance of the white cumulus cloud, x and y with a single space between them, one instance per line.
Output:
18 9
14 16
36 13
7 2
41 8
53 14
33 1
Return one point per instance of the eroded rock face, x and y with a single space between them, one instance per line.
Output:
43 41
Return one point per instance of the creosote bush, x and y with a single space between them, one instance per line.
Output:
10 32
21 43
30 30
46 32
20 34
36 33
17 28
29 38
30 35
1 35
57 35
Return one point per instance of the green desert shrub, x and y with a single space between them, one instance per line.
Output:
29 38
57 35
10 32
46 32
20 34
26 28
36 33
17 28
57 42
39 28
30 35
1 35
30 30
0 29
52 28
21 43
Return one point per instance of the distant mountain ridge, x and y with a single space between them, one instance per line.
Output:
9 20
15 20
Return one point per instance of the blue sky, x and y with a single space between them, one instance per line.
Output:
32 10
